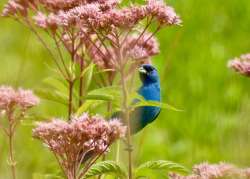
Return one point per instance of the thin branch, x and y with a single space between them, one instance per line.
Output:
70 102
45 45
93 43
60 55
81 83
143 32
157 30
92 162
60 164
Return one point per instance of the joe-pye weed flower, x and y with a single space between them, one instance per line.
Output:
70 141
215 171
14 103
241 65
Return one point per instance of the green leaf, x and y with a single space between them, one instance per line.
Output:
105 167
45 176
140 102
169 166
72 69
104 97
98 96
156 104
87 105
106 93
87 75
57 84
55 96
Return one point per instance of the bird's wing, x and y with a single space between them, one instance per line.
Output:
156 115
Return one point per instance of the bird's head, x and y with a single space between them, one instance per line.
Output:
148 74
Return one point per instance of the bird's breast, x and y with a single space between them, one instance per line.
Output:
151 92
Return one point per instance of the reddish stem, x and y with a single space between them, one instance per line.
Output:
81 83
70 102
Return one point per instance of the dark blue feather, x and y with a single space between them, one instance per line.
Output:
150 90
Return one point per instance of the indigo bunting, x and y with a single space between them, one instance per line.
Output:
141 116
150 90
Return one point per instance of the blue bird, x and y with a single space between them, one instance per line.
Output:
150 90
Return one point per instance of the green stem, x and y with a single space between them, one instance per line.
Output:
117 156
71 85
12 162
81 84
11 156
126 116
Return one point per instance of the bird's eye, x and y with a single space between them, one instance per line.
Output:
150 70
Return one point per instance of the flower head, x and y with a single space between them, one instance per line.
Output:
70 141
214 171
142 47
10 98
26 98
14 7
164 14
7 97
241 64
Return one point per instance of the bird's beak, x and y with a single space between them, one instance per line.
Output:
142 70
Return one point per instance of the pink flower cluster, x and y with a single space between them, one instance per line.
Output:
92 13
70 141
215 171
10 98
136 47
241 64
142 48
102 27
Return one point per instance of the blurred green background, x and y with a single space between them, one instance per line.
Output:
194 76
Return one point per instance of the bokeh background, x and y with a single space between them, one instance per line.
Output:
215 123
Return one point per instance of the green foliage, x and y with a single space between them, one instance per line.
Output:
55 96
111 93
98 97
105 167
160 166
156 104
56 84
87 105
87 75
45 176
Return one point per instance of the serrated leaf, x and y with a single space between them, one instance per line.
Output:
169 166
105 167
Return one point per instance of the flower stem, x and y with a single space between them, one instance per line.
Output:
81 84
71 85
126 116
117 155
12 162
